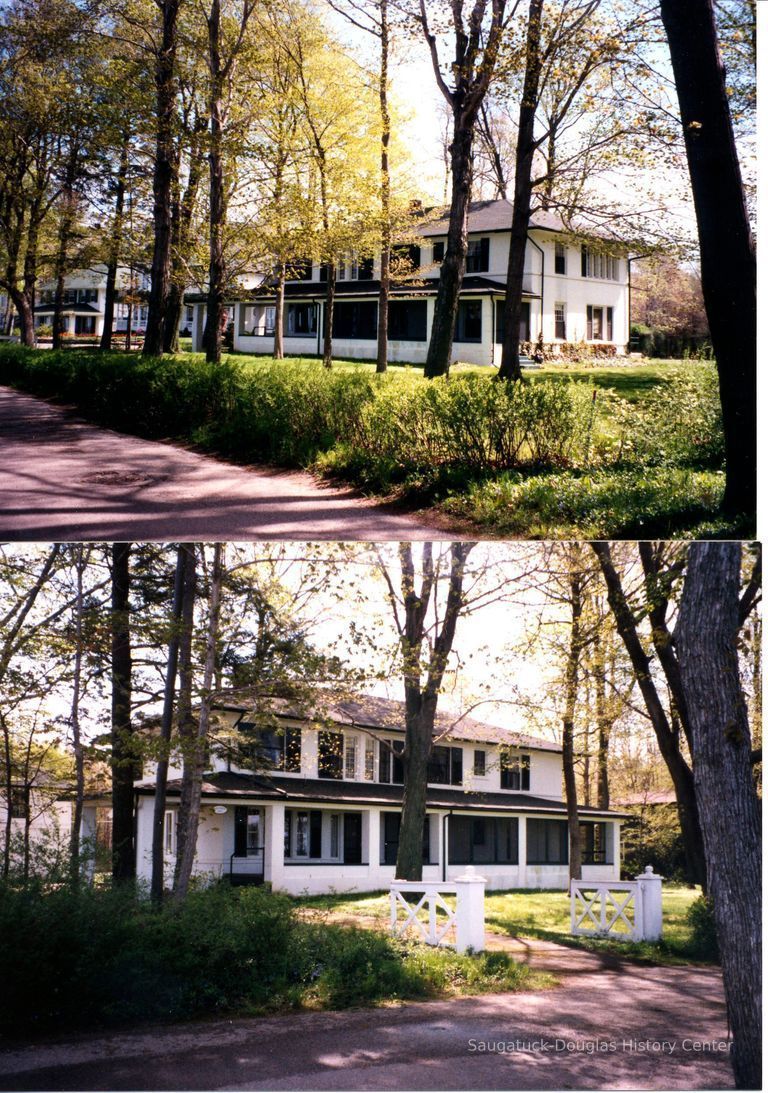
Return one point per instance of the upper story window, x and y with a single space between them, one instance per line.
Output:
478 765
300 269
560 253
271 748
19 803
438 251
445 766
516 772
330 754
406 258
391 762
477 255
596 264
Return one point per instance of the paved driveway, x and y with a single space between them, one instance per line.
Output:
61 478
622 1027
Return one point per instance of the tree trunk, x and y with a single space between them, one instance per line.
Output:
330 296
162 184
571 694
183 213
77 744
182 607
278 352
115 243
386 226
8 788
26 314
123 756
707 638
452 270
217 202
667 735
194 765
521 204
728 266
419 729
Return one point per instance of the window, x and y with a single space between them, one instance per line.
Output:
407 259
489 840
330 749
525 321
560 258
560 321
477 255
190 313
248 832
334 836
478 765
368 771
438 251
302 320
19 803
609 324
516 772
169 832
407 320
253 832
299 270
596 264
445 766
258 320
87 295
469 321
304 834
85 324
361 269
355 320
391 838
270 748
350 758
595 328
594 844
547 842
390 761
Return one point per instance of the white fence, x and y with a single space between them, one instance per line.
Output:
431 919
626 910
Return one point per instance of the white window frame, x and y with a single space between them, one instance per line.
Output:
350 758
169 832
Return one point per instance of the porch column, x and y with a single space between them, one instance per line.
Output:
522 850
616 848
88 841
374 842
198 326
274 844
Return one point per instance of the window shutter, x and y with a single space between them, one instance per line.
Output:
324 272
241 831
589 322
438 251
525 770
425 842
484 256
609 323
414 255
583 260
315 834
457 766
384 762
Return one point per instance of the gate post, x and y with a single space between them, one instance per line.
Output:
649 885
470 911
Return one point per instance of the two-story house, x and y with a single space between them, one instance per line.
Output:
84 302
313 805
572 292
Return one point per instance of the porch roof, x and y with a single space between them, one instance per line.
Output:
472 285
227 784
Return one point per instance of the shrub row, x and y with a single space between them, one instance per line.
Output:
79 958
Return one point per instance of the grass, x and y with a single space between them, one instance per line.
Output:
542 914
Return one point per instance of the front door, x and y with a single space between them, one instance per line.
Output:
248 851
353 838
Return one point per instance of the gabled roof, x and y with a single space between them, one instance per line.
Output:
492 216
373 712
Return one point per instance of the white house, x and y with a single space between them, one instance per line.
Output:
572 292
314 805
85 298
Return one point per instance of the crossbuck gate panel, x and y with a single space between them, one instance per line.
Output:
611 909
405 916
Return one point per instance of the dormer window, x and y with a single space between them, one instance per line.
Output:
516 772
477 255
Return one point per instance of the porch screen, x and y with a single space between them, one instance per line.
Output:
407 320
525 321
594 844
355 319
547 842
488 839
391 838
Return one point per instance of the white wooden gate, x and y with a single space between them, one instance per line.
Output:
607 909
421 917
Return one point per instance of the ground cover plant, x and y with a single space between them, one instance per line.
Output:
84 957
545 914
618 451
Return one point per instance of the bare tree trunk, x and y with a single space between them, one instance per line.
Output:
571 694
330 296
8 788
386 225
193 769
185 720
521 205
707 638
115 243
77 744
728 266
123 757
278 352
162 185
217 200
181 618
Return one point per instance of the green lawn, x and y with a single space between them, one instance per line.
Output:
543 914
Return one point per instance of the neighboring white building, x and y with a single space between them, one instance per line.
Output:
319 806
572 292
84 302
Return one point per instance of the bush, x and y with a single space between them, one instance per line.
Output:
679 424
701 918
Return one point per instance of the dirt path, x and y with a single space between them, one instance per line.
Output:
62 478
619 1027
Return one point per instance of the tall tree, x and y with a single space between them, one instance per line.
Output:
476 49
712 611
728 263
123 759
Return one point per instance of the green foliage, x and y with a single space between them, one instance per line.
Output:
83 957
653 837
701 919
